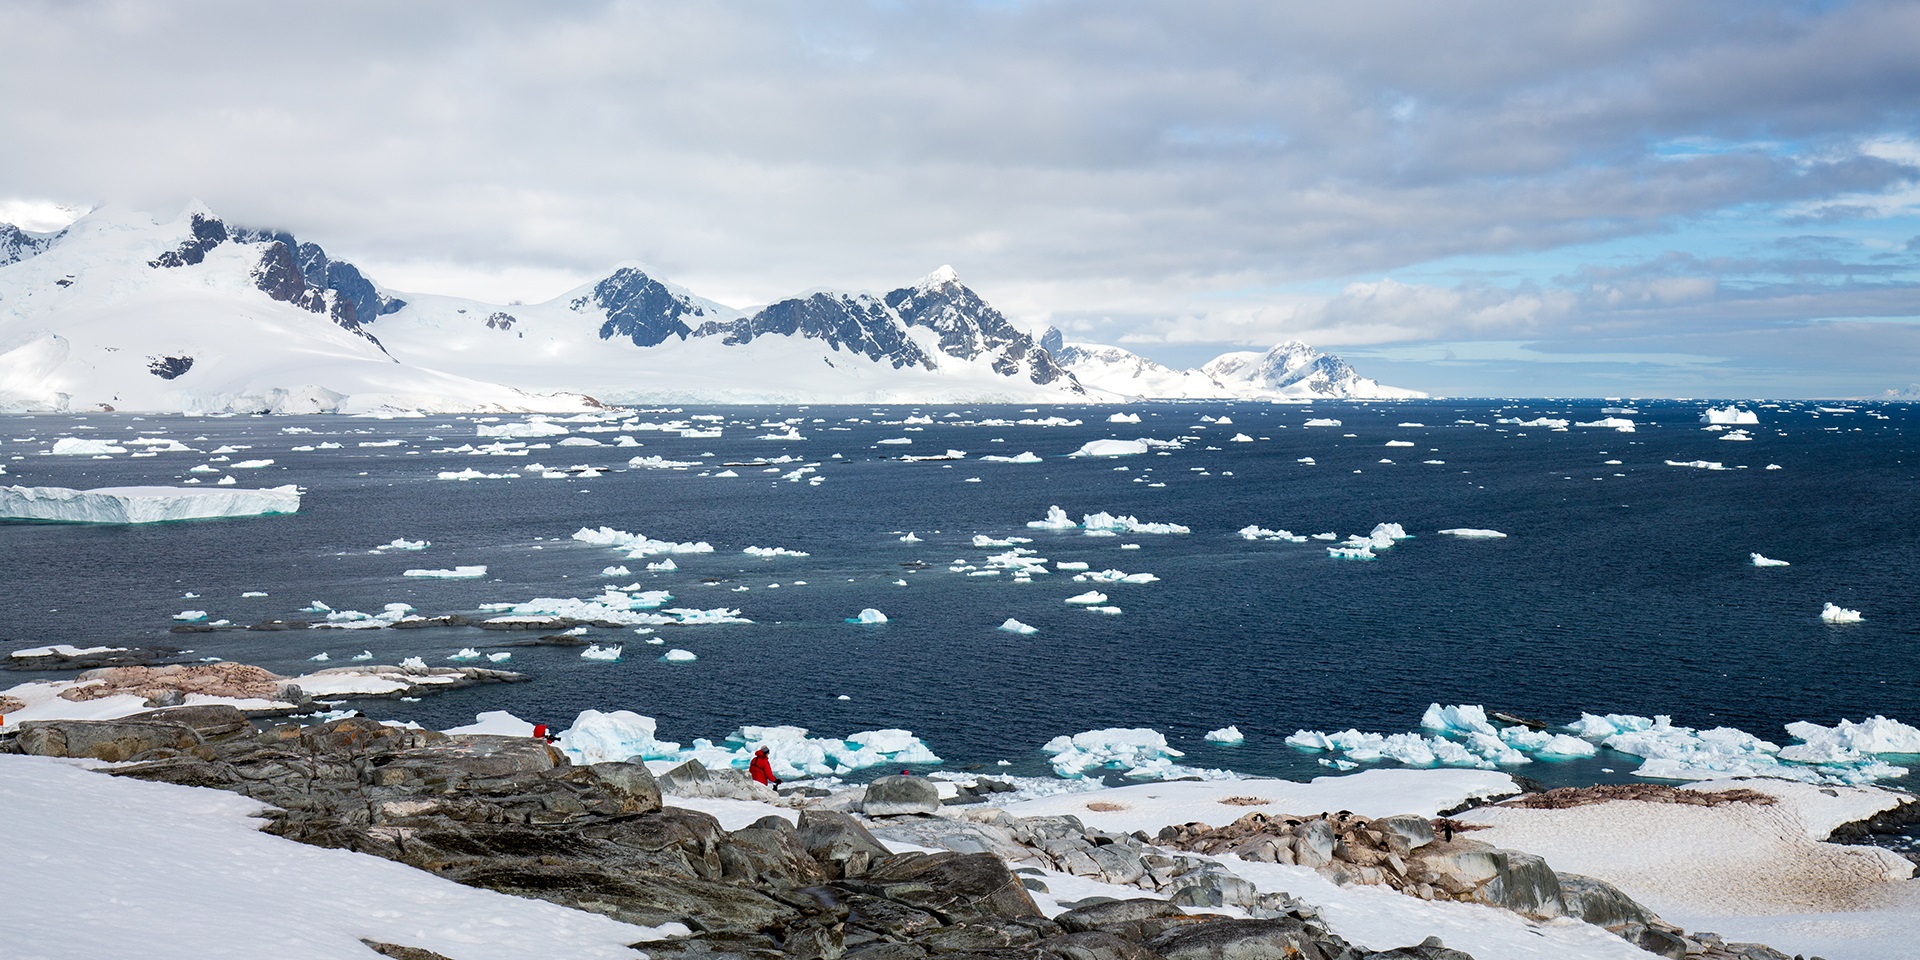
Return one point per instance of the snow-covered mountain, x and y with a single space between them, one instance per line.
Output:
1290 371
125 312
121 312
630 337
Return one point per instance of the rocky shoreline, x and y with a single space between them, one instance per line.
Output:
849 875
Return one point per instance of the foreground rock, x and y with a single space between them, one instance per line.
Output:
513 815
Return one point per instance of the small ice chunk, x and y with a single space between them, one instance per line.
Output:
677 655
615 571
1321 422
869 615
497 657
1474 533
362 655
1124 418
1760 561
1056 519
1228 736
1015 626
466 653
320 657
1240 438
1090 597
597 652
1831 613
190 616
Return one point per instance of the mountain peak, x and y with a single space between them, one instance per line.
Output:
939 278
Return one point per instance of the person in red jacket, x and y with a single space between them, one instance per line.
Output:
761 769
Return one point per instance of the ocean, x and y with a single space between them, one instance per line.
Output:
1623 585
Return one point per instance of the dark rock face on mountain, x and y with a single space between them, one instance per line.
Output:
17 244
970 328
856 323
289 271
640 308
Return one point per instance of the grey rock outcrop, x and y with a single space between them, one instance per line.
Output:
897 796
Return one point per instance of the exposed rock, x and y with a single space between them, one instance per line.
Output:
633 780
226 679
956 885
110 740
1644 792
1280 939
1095 945
207 720
839 842
895 796
695 779
10 704
398 952
53 659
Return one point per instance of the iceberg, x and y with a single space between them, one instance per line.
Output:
597 737
457 573
1474 533
1399 443
682 656
1226 736
1760 561
1015 626
1609 423
142 504
1257 532
869 615
1026 456
524 429
1109 522
1110 448
466 653
1698 464
1834 613
77 447
1124 418
1088 598
1729 415
1461 718
1321 422
1135 750
404 544
637 545
1849 742
1351 553
597 652
768 553
1056 519
1243 438
660 463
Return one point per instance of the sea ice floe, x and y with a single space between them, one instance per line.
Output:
1321 422
1736 435
1849 742
1070 565
1104 521
686 656
79 447
1358 552
768 553
521 429
1760 561
1256 532
1240 438
1226 736
1124 418
404 544
190 615
142 504
1026 456
869 615
1110 448
64 650
1610 423
1137 750
456 573
1114 576
1698 464
362 655
597 737
498 657
1474 533
1056 519
466 653
1834 613
660 463
637 545
1090 597
472 474
597 652
1309 461
616 571
1014 626
1399 443
1729 415
982 540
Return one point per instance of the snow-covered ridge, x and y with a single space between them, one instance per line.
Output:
1290 371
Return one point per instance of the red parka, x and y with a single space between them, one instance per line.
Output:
761 770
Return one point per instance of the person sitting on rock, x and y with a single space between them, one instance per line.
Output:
761 769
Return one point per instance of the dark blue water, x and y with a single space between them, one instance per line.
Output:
1619 589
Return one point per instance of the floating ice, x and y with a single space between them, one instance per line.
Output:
529 428
1124 418
1834 613
1109 522
1736 435
910 538
405 544
142 504
1226 736
1351 553
597 737
457 573
683 656
1610 423
896 441
1015 626
660 463
1070 565
1760 561
1240 438
497 657
1135 750
637 545
1850 742
1110 611
1698 464
1729 415
1321 422
982 540
768 553
320 657
362 655
472 474
64 650
869 615
1256 532
1110 448
619 571
1399 443
1022 457
78 447
1056 519
598 652
190 615
466 653
1090 597
1113 576
251 464
1309 461
664 566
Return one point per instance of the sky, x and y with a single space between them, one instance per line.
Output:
1718 198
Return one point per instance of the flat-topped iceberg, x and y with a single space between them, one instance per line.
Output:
1729 415
142 504
1474 533
1110 448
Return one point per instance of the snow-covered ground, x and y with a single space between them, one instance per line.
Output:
1747 872
99 867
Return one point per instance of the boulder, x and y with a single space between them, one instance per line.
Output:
958 886
839 843
110 740
1428 949
1417 831
1601 903
694 779
1095 945
1280 939
1142 918
452 762
1214 888
207 720
896 796
633 781
960 836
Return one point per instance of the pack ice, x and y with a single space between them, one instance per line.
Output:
142 504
